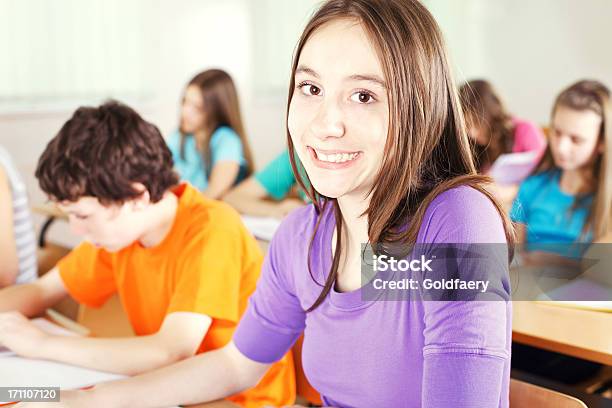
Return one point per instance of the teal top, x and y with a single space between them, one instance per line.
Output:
225 145
277 177
547 212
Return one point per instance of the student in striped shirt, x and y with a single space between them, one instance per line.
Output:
17 240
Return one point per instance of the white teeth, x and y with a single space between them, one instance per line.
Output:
336 158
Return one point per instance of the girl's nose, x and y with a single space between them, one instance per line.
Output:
329 121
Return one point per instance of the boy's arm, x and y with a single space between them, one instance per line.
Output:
178 338
32 299
207 377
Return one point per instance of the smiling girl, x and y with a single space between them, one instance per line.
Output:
374 117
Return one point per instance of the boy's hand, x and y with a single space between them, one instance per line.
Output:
18 334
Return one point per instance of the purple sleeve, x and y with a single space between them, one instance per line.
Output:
466 343
528 138
274 318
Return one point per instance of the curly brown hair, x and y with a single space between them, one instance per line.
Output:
101 152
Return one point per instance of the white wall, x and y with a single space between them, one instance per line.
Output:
529 49
191 35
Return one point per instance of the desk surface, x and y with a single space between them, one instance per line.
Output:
49 210
580 333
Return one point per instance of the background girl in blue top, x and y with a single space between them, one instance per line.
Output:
567 200
569 196
210 149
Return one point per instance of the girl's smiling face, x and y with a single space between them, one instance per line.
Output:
339 112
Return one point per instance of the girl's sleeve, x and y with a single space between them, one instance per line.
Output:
274 318
520 206
467 343
529 138
174 144
277 177
225 145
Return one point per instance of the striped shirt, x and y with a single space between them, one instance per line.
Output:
23 229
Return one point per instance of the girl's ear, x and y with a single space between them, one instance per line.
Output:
601 147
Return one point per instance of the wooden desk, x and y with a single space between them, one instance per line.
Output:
579 333
49 210
52 213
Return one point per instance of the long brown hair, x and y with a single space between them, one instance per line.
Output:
427 149
590 95
221 108
483 106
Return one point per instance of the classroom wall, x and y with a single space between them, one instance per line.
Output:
192 35
529 49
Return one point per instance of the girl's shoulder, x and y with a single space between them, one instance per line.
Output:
174 141
174 137
525 125
5 158
300 223
461 214
9 169
224 132
540 179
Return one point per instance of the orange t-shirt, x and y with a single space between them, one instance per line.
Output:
208 263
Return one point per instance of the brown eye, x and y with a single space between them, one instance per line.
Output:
313 90
309 89
362 97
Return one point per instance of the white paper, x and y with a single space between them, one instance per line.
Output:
596 305
261 227
580 288
24 372
512 168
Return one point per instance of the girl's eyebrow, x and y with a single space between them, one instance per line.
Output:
370 78
302 69
576 135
